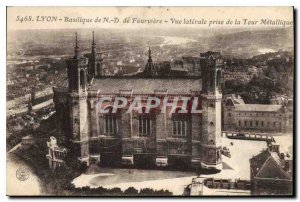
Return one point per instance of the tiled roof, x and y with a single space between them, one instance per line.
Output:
271 169
261 157
257 107
268 168
276 157
147 85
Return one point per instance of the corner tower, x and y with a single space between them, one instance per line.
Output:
211 63
77 71
77 136
95 65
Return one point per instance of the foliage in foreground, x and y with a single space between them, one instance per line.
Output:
58 182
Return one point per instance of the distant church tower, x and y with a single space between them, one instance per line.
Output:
211 63
95 62
150 69
77 68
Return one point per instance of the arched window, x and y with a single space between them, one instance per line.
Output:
146 121
211 81
145 124
82 78
218 77
179 123
110 122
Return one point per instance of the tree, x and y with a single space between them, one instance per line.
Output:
131 191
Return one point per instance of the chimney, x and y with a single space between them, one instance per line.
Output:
274 148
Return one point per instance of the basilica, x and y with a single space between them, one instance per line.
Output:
109 135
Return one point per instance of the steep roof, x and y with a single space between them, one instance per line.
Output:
272 170
270 165
147 85
261 158
257 107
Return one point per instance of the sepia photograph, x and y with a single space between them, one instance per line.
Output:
150 101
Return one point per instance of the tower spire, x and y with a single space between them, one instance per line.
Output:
93 43
76 49
149 55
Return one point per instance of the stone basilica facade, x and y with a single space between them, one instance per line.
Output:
138 138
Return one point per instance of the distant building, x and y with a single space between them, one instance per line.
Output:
187 64
271 173
239 73
238 116
186 67
56 154
151 69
